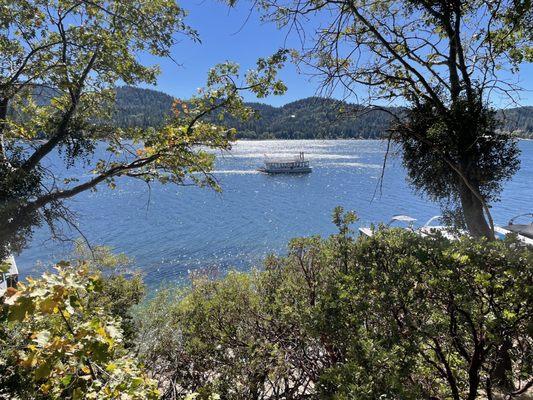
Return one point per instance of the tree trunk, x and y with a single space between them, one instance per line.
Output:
473 213
502 374
4 103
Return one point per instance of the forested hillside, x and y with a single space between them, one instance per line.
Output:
519 120
309 118
141 107
315 117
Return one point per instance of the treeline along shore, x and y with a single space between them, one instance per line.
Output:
309 118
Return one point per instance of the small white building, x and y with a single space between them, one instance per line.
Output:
9 278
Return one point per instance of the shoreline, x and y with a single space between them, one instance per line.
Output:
279 139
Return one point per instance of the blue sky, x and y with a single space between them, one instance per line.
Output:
237 35
227 34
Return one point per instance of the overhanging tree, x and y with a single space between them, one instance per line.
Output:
59 63
447 59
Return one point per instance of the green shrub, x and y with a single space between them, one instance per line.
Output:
123 286
394 316
59 343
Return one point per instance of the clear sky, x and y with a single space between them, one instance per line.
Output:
236 34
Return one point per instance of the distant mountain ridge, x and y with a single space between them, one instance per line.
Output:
136 107
309 118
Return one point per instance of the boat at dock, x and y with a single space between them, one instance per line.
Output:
294 165
405 219
523 231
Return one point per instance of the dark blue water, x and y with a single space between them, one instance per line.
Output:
170 230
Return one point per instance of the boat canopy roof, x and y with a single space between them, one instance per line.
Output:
521 228
285 159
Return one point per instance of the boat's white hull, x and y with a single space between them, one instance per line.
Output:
522 238
296 170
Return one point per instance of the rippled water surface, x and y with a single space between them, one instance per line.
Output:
171 230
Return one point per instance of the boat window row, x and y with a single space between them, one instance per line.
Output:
302 164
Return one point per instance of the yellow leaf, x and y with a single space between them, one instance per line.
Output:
111 367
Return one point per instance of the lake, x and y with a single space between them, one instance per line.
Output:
170 230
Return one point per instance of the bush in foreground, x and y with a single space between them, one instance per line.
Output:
60 338
395 316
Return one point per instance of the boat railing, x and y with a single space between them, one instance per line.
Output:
286 160
512 220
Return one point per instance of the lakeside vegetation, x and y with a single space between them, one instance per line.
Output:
310 118
393 316
396 315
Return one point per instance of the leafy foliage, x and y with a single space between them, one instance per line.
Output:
123 286
68 346
467 139
59 63
76 51
392 316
